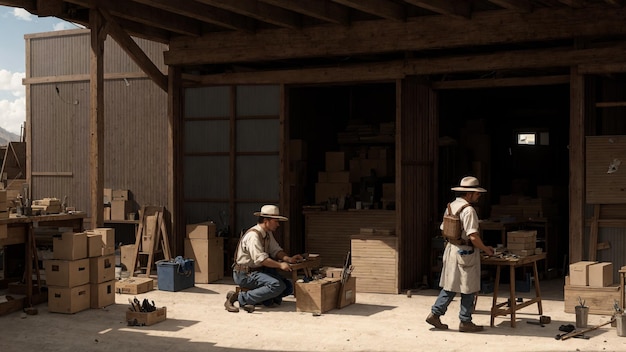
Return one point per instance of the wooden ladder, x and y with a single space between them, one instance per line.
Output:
150 240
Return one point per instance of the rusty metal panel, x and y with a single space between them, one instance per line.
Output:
66 53
135 124
617 253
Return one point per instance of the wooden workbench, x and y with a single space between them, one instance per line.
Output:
513 263
22 230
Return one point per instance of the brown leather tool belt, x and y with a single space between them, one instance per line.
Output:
245 268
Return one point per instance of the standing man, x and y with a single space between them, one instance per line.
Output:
461 262
257 258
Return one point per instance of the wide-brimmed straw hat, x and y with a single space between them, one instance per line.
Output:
270 211
469 184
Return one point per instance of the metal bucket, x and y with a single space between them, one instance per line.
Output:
582 314
621 324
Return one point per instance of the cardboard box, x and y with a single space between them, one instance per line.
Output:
70 246
208 255
174 278
320 296
94 245
601 274
67 273
134 285
68 299
148 318
127 256
108 195
579 273
107 213
107 241
102 294
203 230
101 269
120 194
119 209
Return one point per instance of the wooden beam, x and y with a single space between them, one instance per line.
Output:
145 15
381 8
616 3
83 78
382 71
175 157
593 233
455 8
518 5
600 68
574 3
501 82
134 51
577 166
323 10
370 37
260 11
49 8
203 13
96 120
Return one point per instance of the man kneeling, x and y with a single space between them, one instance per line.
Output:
257 258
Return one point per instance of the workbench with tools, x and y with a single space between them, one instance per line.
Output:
511 306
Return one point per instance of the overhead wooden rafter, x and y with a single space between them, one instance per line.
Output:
519 5
381 8
453 8
326 11
260 11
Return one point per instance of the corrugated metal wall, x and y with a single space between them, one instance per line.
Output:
213 117
135 120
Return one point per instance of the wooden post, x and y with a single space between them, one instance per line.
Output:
96 118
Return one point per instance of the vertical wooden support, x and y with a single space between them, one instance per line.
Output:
175 189
593 233
577 165
96 118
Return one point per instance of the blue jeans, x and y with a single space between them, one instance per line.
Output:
445 298
265 286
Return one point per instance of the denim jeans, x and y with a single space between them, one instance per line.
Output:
265 286
445 298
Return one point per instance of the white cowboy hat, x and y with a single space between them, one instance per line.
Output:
270 211
469 184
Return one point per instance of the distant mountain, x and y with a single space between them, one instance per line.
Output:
6 137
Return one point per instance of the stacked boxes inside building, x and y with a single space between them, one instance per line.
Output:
357 172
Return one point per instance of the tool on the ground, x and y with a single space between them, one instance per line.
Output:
581 332
567 328
560 336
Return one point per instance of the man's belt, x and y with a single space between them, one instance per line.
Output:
246 268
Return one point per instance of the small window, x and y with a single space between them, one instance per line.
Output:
533 138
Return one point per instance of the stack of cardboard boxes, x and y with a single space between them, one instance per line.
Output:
82 272
67 275
594 283
207 250
121 206
522 243
101 252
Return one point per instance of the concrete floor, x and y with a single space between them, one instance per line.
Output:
197 321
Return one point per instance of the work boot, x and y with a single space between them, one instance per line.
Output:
231 298
434 321
248 307
468 326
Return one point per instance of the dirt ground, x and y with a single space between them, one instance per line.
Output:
197 321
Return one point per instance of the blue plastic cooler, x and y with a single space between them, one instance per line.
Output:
175 274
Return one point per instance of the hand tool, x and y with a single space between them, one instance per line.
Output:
581 332
560 336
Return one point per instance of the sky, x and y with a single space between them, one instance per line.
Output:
14 24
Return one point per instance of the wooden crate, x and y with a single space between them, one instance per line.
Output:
147 318
375 261
600 300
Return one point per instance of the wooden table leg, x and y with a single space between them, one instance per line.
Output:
494 303
512 298
537 289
